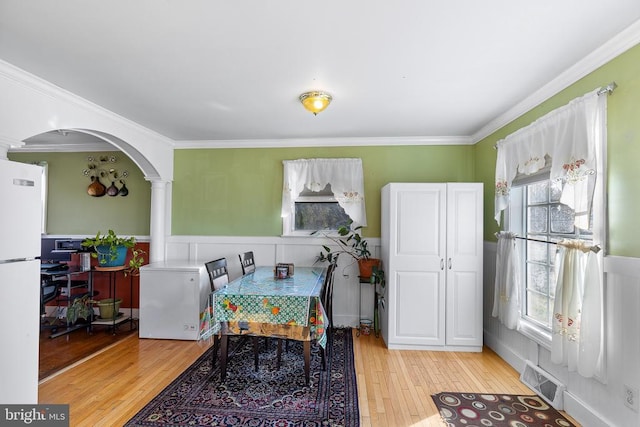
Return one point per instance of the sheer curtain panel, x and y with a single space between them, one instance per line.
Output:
578 331
506 299
344 175
572 136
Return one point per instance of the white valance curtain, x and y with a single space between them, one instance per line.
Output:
571 136
506 298
344 175
578 322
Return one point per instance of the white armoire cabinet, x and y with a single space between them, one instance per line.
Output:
432 256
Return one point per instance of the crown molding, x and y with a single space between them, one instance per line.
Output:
616 46
325 142
64 148
46 88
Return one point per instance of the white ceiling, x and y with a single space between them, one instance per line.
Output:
213 71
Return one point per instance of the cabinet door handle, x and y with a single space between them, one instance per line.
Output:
449 263
441 263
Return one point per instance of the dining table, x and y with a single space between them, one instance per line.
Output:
261 304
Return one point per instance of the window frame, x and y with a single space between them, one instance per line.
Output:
515 219
288 222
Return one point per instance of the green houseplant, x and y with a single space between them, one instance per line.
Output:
110 249
80 308
135 262
350 242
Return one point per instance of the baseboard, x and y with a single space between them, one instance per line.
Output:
582 413
572 406
513 359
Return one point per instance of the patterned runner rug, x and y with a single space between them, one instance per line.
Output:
269 397
497 410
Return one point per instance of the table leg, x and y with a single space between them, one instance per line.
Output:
307 360
216 346
223 356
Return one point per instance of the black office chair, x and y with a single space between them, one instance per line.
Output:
218 278
247 262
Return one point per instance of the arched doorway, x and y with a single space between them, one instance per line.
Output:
31 106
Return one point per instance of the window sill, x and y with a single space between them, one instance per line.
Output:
535 333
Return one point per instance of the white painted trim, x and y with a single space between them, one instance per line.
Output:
512 358
261 240
65 148
583 413
44 87
605 53
326 142
625 266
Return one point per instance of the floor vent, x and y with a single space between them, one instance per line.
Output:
544 384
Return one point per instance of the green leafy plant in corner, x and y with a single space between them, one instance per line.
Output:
349 241
111 241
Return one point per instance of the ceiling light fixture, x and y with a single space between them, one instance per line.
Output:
315 101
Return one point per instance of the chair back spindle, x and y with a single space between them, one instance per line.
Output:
218 273
247 262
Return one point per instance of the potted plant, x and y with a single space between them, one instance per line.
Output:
350 242
80 308
110 249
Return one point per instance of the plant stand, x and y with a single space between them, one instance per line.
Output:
118 317
365 324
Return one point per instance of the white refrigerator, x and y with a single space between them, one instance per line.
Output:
20 233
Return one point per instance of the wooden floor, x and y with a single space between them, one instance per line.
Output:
394 387
60 352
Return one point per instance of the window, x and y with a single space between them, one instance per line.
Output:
322 194
318 210
550 178
535 212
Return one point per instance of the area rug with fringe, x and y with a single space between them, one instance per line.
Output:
268 397
497 410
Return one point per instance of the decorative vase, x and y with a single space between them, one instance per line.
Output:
112 190
96 189
123 190
366 267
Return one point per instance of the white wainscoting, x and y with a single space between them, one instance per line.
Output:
589 401
301 251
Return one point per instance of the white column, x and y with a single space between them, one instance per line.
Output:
157 221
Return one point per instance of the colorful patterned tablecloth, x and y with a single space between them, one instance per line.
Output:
259 297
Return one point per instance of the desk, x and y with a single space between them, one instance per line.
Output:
69 273
259 304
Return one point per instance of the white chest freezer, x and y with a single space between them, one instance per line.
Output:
173 294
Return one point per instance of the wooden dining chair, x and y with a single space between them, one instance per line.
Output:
247 262
218 273
326 296
326 293
218 278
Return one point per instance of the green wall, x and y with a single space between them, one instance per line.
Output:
71 211
623 130
238 192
